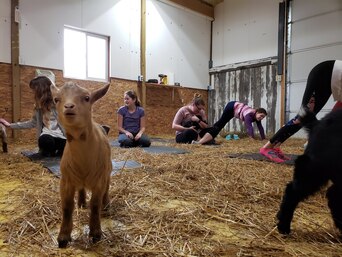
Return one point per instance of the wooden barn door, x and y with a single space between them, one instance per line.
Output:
251 83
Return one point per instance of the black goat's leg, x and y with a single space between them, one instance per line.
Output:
334 195
295 192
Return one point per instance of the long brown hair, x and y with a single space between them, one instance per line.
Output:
42 96
134 96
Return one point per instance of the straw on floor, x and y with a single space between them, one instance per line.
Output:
196 204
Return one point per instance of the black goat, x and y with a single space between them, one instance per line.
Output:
321 162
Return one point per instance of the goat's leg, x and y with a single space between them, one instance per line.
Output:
105 199
95 208
82 198
334 194
307 180
67 195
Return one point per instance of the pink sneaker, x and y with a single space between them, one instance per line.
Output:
281 154
271 154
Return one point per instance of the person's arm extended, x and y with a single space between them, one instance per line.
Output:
25 124
249 126
261 130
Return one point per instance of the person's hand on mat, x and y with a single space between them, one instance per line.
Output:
4 122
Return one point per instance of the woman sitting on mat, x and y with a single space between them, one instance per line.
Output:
190 121
131 122
50 134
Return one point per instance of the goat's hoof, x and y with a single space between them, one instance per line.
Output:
95 235
283 228
96 239
62 243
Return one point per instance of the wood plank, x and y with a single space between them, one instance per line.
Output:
143 53
15 64
196 6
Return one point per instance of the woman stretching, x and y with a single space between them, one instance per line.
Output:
323 80
240 111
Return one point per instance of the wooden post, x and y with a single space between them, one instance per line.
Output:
16 99
143 53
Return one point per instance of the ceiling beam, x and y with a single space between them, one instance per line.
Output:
196 6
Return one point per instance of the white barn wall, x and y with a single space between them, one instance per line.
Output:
315 37
5 31
178 43
179 46
245 30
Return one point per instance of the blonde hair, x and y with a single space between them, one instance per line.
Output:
198 100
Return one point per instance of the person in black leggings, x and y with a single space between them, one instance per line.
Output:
323 80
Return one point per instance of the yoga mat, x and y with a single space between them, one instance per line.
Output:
260 157
157 149
154 149
53 163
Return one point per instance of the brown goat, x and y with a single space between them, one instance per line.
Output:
86 161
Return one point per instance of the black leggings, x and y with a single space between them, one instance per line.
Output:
51 146
187 136
319 84
227 115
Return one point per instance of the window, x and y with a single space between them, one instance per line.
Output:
86 55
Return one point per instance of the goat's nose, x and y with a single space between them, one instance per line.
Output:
69 105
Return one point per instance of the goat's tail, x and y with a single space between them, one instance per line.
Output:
307 118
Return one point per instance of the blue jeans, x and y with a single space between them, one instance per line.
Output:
125 141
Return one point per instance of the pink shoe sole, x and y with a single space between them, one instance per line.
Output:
271 154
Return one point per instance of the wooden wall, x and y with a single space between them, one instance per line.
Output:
254 85
162 102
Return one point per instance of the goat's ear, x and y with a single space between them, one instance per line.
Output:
97 94
54 91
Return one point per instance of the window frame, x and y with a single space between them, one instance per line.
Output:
107 53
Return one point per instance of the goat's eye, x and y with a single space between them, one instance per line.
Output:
56 99
87 98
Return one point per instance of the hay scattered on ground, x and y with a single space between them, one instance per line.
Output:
196 204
